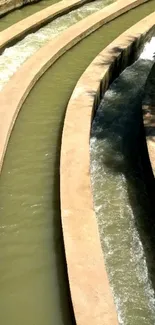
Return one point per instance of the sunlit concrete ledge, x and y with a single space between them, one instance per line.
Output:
90 290
91 295
17 89
36 21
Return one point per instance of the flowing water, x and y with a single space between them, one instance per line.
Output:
33 279
120 196
14 56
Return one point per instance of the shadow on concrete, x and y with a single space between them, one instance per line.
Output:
120 121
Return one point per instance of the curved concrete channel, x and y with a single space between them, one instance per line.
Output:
123 250
7 6
19 14
34 289
34 22
13 57
45 57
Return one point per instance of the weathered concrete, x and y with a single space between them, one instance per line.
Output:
149 116
90 291
91 295
34 22
15 92
9 5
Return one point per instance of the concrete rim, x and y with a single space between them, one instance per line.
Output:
17 89
11 100
36 21
85 261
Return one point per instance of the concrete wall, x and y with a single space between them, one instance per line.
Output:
9 5
32 23
88 279
90 291
15 92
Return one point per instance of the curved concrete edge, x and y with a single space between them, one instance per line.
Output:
13 5
148 108
90 290
15 92
32 23
11 100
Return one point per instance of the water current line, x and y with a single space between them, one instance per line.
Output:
120 197
13 57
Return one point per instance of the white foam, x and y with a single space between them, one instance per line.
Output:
123 250
13 57
149 50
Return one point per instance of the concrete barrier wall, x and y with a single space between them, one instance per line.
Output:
36 21
91 295
15 92
9 5
90 290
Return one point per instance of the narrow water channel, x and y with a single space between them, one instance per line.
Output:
33 278
24 12
120 195
13 57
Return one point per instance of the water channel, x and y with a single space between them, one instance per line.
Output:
13 57
33 280
24 12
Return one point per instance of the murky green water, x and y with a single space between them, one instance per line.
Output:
13 57
24 12
33 278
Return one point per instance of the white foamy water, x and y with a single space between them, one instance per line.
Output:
13 57
120 197
149 50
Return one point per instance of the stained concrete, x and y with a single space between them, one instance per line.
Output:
19 86
90 290
34 22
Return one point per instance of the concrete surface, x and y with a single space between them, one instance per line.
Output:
90 291
30 24
89 285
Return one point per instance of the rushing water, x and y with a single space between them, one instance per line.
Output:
14 56
120 197
33 279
